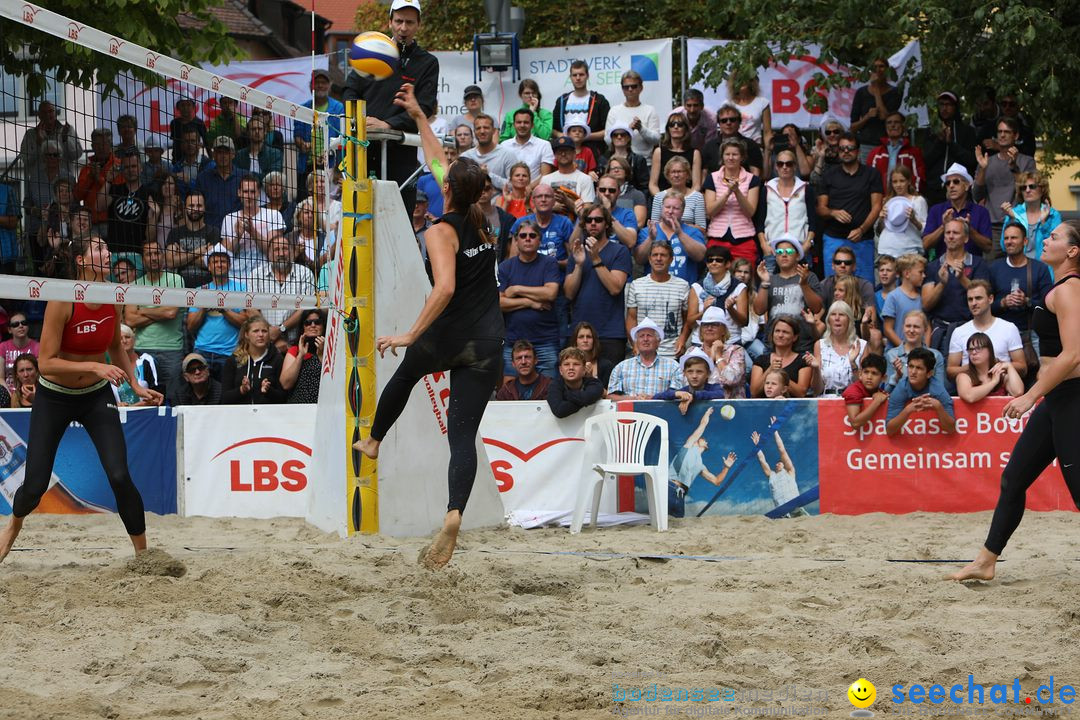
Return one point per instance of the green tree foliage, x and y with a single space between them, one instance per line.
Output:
30 52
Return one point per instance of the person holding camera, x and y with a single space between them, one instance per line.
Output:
301 368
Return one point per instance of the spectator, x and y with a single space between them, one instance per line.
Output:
499 221
944 292
220 185
555 230
697 368
62 222
995 178
529 92
159 330
186 119
866 327
41 190
950 140
839 352
988 133
986 112
259 158
677 173
420 223
26 381
276 199
566 173
301 368
49 129
473 100
844 264
957 205
728 359
191 161
1036 215
640 119
789 138
526 383
215 331
849 202
197 386
596 278
515 196
754 107
528 287
166 209
630 196
743 272
800 368
9 221
670 228
871 106
20 343
902 218
528 148
728 121
252 375
1019 284
790 290
129 208
790 209
675 142
644 374
186 246
896 151
905 298
826 151
1004 335
914 329
274 137
496 159
330 207
248 231
124 271
574 388
583 337
154 165
919 392
731 201
127 127
619 140
984 375
92 187
313 149
583 103
867 387
309 237
228 122
584 158
885 265
702 121
624 221
775 384
282 276
663 299
721 292
145 368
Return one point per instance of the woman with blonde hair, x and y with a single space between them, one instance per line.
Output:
309 235
677 172
839 351
252 375
865 318
515 196
1032 210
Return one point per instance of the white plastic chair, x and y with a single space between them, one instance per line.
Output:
615 445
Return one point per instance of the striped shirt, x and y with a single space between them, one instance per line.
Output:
633 377
664 303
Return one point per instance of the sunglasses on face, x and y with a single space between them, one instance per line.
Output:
676 124
18 323
785 163
312 321
1030 187
631 86
848 148
724 121
786 251
192 369
532 235
607 190
953 181
597 219
834 131
711 260
843 262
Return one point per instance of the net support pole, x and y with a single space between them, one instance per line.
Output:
358 264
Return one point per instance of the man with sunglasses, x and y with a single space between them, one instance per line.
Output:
196 387
790 290
589 105
849 203
529 285
958 205
728 118
952 141
642 119
995 178
843 264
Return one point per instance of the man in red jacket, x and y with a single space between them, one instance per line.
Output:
895 149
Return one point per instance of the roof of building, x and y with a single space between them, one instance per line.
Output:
342 13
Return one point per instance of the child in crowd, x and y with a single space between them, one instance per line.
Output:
585 158
919 391
906 297
574 388
775 383
867 387
886 280
696 367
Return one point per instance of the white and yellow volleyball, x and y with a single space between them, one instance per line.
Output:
727 412
374 54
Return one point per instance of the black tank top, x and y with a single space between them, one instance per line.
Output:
473 311
1045 325
665 155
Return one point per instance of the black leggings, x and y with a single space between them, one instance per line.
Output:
96 411
475 368
1050 433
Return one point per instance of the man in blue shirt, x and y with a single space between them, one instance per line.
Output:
687 242
528 287
220 183
216 330
958 205
555 230
327 107
919 391
1019 282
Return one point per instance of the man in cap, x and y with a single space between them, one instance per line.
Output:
196 387
215 330
315 145
416 66
959 206
953 141
220 183
420 221
474 105
567 175
790 290
645 373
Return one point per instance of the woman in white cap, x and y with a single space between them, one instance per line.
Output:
903 215
619 141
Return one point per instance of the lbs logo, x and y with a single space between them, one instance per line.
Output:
267 464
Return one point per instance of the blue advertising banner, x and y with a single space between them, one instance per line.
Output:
80 483
739 457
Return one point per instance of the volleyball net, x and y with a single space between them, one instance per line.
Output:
177 167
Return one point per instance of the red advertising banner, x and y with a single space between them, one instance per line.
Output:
923 469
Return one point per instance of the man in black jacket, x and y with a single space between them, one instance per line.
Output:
417 66
953 142
588 106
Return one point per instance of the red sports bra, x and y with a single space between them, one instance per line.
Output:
89 332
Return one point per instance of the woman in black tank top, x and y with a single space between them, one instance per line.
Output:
460 329
1051 429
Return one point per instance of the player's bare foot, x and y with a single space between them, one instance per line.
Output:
368 446
981 568
139 541
8 535
438 553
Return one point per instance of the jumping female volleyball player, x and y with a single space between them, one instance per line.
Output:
74 386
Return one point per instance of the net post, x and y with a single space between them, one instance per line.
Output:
358 263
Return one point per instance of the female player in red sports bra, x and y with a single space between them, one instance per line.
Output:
74 386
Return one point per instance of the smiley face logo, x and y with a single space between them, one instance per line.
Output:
862 693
